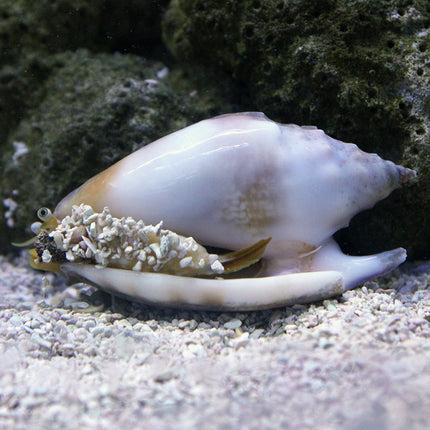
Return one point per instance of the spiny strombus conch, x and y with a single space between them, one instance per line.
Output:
231 181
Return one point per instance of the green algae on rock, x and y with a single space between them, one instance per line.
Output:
49 27
31 32
94 109
358 69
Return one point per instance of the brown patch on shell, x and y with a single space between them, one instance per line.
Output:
252 206
91 193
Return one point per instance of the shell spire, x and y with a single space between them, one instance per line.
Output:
406 175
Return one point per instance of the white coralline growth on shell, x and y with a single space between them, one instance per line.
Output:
99 238
232 180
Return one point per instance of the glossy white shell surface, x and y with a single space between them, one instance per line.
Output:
234 179
213 294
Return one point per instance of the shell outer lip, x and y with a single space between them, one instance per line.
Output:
212 294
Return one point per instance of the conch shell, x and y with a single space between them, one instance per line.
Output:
231 181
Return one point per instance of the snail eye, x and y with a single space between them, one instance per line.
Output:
43 214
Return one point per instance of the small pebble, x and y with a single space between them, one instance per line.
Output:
233 324
164 376
40 342
256 333
240 341
16 321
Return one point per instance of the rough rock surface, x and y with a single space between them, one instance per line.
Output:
47 27
32 31
357 69
77 92
96 108
359 361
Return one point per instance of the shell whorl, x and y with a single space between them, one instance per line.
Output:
233 179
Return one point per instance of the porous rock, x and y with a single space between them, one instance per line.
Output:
357 69
96 108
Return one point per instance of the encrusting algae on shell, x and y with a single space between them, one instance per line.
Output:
101 239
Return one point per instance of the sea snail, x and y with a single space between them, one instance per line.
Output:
230 182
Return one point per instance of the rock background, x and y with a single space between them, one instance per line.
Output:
82 84
357 69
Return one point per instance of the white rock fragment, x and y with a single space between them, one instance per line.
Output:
86 213
93 229
138 266
185 262
70 256
157 251
151 83
142 255
11 205
20 150
90 244
128 249
165 246
162 73
233 324
240 341
217 267
46 256
158 228
58 239
35 227
35 338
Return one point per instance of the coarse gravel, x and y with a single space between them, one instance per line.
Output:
72 357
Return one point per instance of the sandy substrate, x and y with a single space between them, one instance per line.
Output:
68 361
